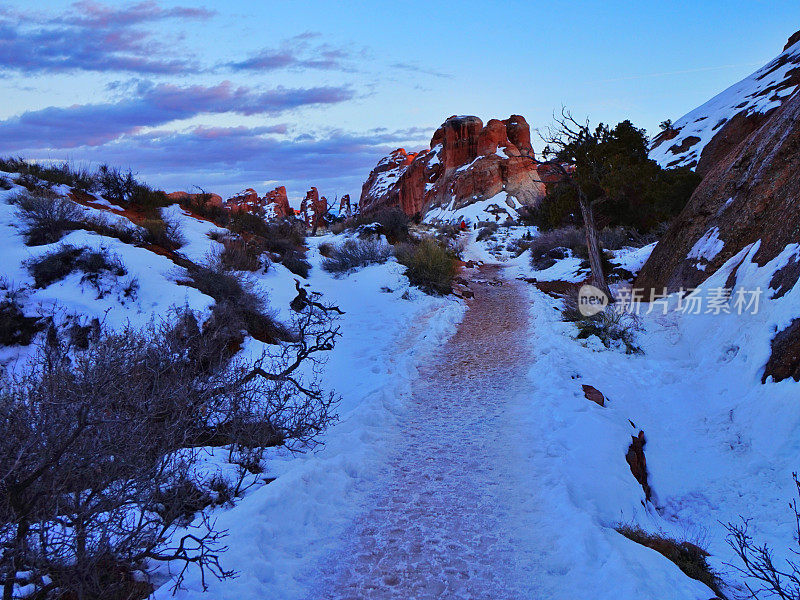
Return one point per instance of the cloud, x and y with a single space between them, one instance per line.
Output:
92 37
297 53
226 159
414 68
151 106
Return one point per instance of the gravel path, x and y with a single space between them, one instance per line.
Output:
454 515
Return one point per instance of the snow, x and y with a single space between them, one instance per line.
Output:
706 248
491 209
720 444
760 92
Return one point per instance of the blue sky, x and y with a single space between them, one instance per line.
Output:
234 94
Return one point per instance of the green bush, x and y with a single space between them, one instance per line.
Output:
429 265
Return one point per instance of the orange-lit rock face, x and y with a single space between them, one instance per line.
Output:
245 201
467 162
210 199
279 202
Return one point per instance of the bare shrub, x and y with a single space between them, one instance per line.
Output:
161 232
295 261
612 327
392 222
66 259
429 265
97 460
487 231
689 557
242 255
15 327
764 576
238 307
352 254
46 215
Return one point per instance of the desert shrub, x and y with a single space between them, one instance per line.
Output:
295 261
98 450
550 246
162 232
52 174
238 306
764 575
352 254
200 204
326 249
689 557
47 216
15 327
238 254
429 265
392 222
61 262
614 328
338 227
487 231
5 183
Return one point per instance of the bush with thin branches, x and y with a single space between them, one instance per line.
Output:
353 254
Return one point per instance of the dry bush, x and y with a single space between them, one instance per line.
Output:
238 306
392 222
487 231
612 327
764 577
66 259
352 254
100 448
46 215
689 557
15 327
161 232
295 261
429 265
238 254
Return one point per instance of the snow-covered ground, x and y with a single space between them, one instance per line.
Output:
719 443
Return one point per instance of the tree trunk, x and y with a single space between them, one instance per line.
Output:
593 245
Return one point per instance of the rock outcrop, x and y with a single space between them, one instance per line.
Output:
279 203
750 196
210 199
467 163
706 135
273 205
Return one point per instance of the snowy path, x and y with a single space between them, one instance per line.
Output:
452 514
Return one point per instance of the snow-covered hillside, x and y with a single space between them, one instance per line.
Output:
759 93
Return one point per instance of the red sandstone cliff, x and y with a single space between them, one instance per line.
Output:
467 163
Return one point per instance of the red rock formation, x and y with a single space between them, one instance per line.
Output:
277 203
245 201
210 199
750 196
467 163
345 208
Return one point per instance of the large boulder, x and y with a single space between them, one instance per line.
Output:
751 196
468 163
705 136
